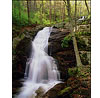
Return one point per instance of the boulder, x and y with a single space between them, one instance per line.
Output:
64 56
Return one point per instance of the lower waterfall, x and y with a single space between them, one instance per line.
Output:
41 69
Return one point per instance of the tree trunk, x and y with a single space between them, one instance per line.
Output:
87 6
19 10
50 11
60 11
41 12
68 8
78 60
28 11
35 5
42 7
54 10
63 12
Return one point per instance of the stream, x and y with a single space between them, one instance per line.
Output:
41 69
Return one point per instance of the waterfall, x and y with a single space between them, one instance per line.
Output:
41 69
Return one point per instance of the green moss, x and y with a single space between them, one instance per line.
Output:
66 41
84 33
72 71
65 90
81 92
81 44
81 71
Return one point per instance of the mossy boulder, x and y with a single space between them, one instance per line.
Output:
65 90
72 71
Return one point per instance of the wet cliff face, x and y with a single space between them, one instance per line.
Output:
21 52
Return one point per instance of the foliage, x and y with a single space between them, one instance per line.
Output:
84 33
41 14
81 71
72 71
66 40
84 71
89 16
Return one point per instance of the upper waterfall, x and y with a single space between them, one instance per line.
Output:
41 69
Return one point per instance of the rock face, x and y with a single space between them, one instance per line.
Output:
53 92
64 56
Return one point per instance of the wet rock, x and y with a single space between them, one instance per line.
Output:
64 56
40 92
65 90
53 92
77 85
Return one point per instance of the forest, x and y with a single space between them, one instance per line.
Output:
51 48
47 11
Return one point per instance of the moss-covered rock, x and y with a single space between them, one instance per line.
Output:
65 90
72 71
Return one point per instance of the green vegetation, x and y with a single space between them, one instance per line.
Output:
30 16
45 12
72 71
82 71
84 33
66 41
66 90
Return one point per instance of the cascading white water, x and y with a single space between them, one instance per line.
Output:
42 67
